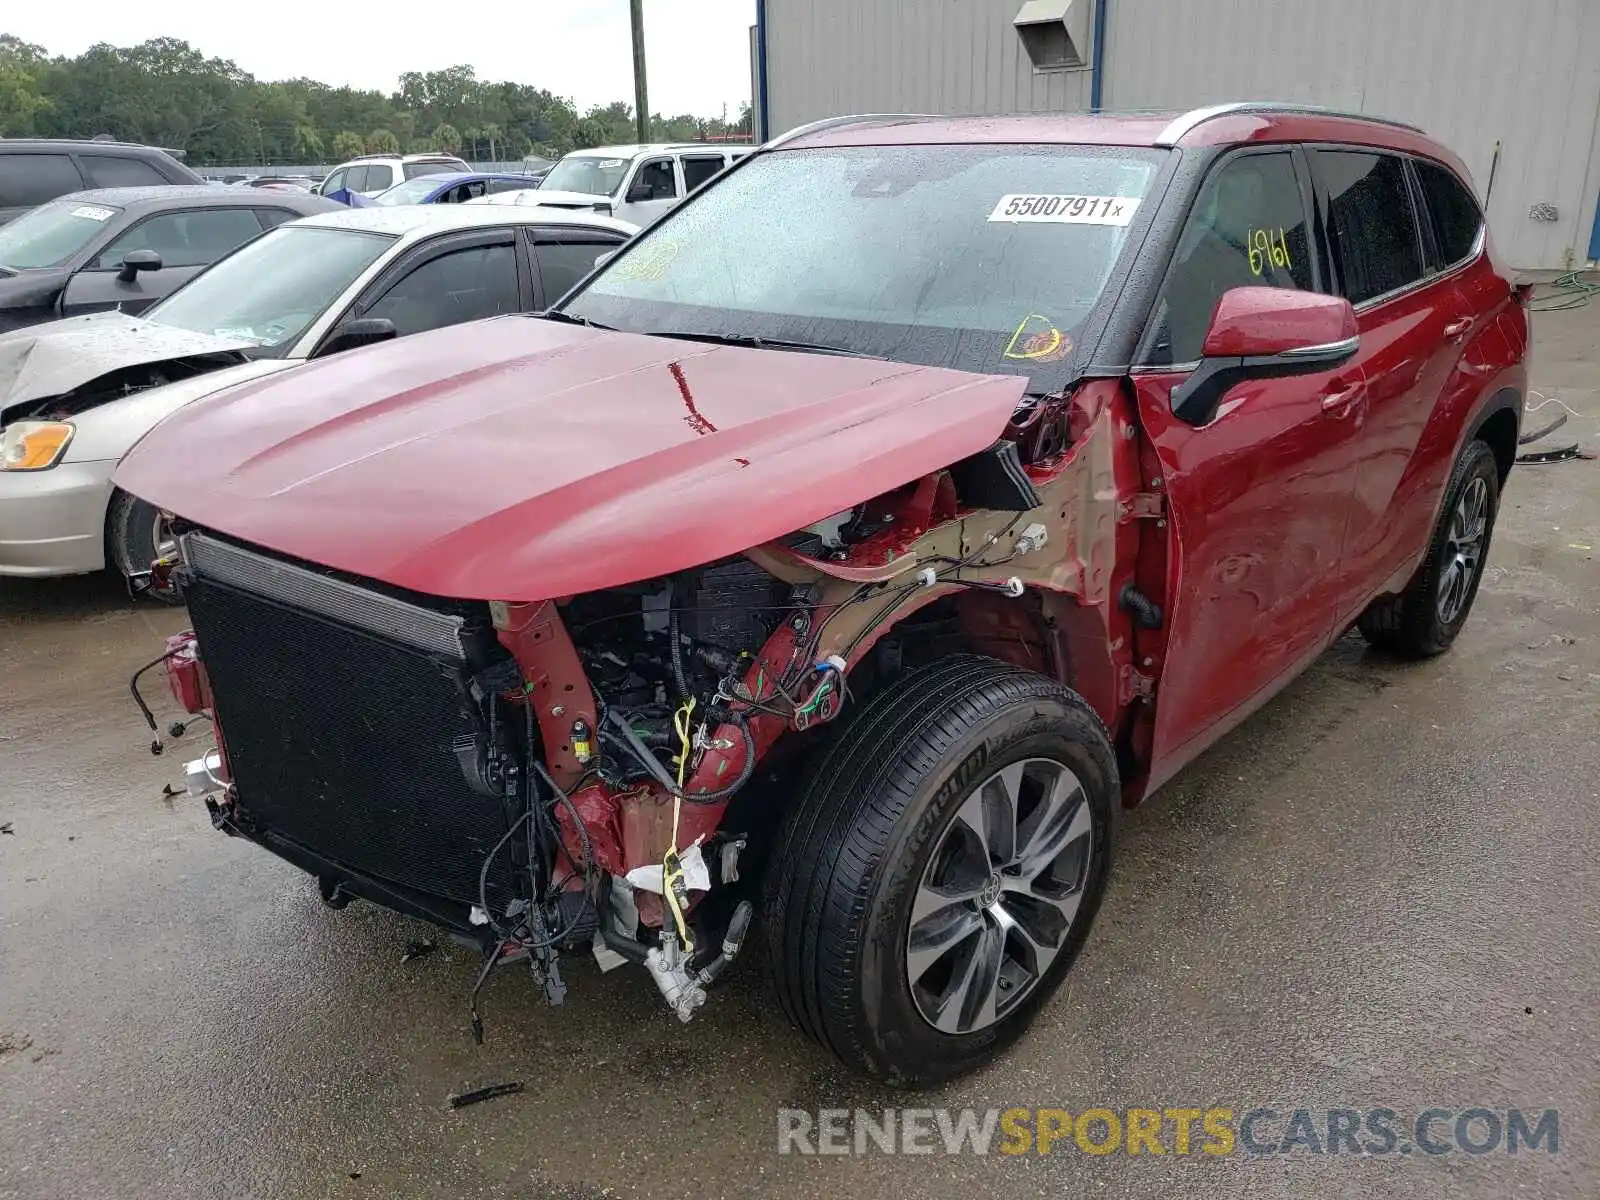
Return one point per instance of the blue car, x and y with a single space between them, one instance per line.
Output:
451 187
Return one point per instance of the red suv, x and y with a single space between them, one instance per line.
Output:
850 547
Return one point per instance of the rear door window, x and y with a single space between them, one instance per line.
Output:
699 169
459 285
29 179
561 263
1248 229
1371 223
105 170
1453 210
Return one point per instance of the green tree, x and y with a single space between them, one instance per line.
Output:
494 135
307 143
20 97
447 138
166 92
347 145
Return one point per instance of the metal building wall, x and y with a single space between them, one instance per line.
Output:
1471 72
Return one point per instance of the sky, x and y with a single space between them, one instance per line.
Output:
697 51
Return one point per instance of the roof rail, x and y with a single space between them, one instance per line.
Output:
1179 127
837 122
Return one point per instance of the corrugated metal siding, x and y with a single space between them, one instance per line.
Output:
826 57
1524 72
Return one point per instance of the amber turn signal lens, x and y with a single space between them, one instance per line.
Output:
33 445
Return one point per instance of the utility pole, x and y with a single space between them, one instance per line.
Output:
641 98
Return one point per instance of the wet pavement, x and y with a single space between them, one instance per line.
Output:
1382 891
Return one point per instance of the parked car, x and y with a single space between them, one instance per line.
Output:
454 187
373 173
34 171
125 248
636 183
75 394
285 183
1042 450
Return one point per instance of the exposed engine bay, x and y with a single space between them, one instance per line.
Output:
605 771
113 385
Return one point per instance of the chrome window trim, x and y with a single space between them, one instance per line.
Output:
1347 345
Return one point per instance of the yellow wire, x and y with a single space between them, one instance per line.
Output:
680 723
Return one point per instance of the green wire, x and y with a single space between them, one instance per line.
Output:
1571 293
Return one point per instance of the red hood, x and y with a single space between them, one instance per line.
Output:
522 459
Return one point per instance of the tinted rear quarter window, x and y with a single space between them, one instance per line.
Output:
27 179
1453 210
1371 222
106 170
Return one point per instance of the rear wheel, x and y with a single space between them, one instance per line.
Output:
940 869
136 535
1426 618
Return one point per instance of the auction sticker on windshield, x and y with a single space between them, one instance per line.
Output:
1066 210
94 212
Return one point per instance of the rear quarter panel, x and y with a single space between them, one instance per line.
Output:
1490 375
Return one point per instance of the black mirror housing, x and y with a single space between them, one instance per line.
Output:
138 260
362 331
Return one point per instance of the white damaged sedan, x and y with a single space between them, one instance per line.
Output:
75 395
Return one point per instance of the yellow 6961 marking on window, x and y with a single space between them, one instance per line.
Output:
1268 246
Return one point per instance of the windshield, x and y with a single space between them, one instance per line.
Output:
980 257
412 191
271 290
586 173
51 234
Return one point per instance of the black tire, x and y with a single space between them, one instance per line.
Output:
131 539
1411 624
859 836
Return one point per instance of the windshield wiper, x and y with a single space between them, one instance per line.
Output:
761 343
567 318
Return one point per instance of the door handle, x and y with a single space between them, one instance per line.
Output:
1457 329
1338 402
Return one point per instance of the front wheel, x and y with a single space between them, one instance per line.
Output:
1426 618
137 535
939 871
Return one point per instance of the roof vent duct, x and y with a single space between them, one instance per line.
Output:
1055 33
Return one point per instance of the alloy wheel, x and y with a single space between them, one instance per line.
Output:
1463 551
998 899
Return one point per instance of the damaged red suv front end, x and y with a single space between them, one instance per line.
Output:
552 692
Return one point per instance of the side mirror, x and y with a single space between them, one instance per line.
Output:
135 261
638 192
363 331
603 258
1266 333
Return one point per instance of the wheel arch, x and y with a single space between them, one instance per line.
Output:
1499 425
